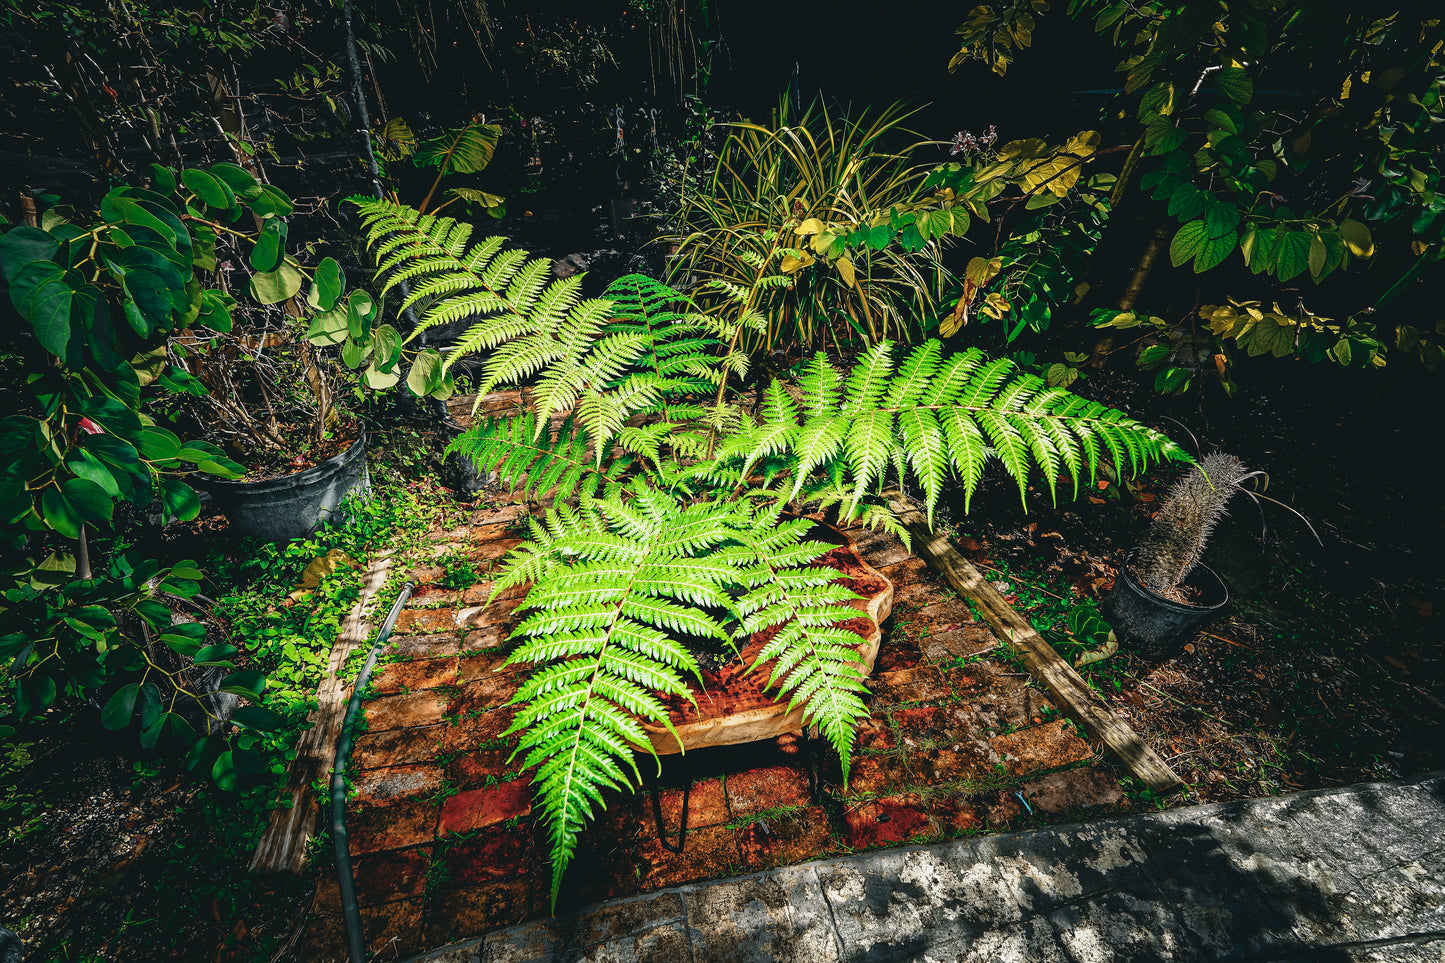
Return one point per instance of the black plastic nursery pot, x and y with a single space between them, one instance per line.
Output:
1154 627
280 509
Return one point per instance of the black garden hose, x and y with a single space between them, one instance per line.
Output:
355 938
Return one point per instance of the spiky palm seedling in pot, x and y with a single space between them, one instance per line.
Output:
1177 536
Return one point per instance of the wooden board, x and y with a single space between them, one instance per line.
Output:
732 707
1046 666
282 847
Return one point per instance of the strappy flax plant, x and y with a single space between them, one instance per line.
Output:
840 193
669 495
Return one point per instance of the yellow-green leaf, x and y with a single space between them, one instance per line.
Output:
1357 238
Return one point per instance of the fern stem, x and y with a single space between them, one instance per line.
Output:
737 332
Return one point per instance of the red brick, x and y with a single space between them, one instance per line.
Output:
958 815
500 612
874 734
492 691
391 875
488 806
481 593
398 825
887 821
922 722
481 767
918 684
707 806
394 929
1022 707
488 668
473 732
768 788
495 853
438 645
870 775
963 641
708 853
484 638
395 747
433 597
908 571
950 765
787 838
397 677
377 786
426 620
1074 790
456 914
493 549
425 575
896 654
1048 746
416 709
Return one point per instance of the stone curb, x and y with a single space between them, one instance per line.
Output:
1352 874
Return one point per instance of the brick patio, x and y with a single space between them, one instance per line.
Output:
440 826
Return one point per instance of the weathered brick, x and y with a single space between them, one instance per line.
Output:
870 775
708 853
377 786
966 640
456 914
918 684
494 853
1074 790
395 747
408 711
398 824
706 806
787 838
758 789
420 621
491 691
423 646
887 821
487 806
1048 746
411 676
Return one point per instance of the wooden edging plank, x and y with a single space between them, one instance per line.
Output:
1039 658
282 847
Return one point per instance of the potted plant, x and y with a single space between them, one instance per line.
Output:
1164 595
247 346
675 498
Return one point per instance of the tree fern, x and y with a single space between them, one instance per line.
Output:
667 493
618 583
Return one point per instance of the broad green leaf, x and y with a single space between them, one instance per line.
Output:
244 682
240 181
1357 238
87 466
270 247
271 202
179 500
163 179
360 311
380 380
223 773
158 444
426 372
57 512
1234 83
259 718
385 347
120 707
273 287
329 282
24 245
213 192
1292 253
88 499
328 328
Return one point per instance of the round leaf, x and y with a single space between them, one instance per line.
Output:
214 192
329 283
179 500
270 245
119 708
273 287
223 773
88 499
